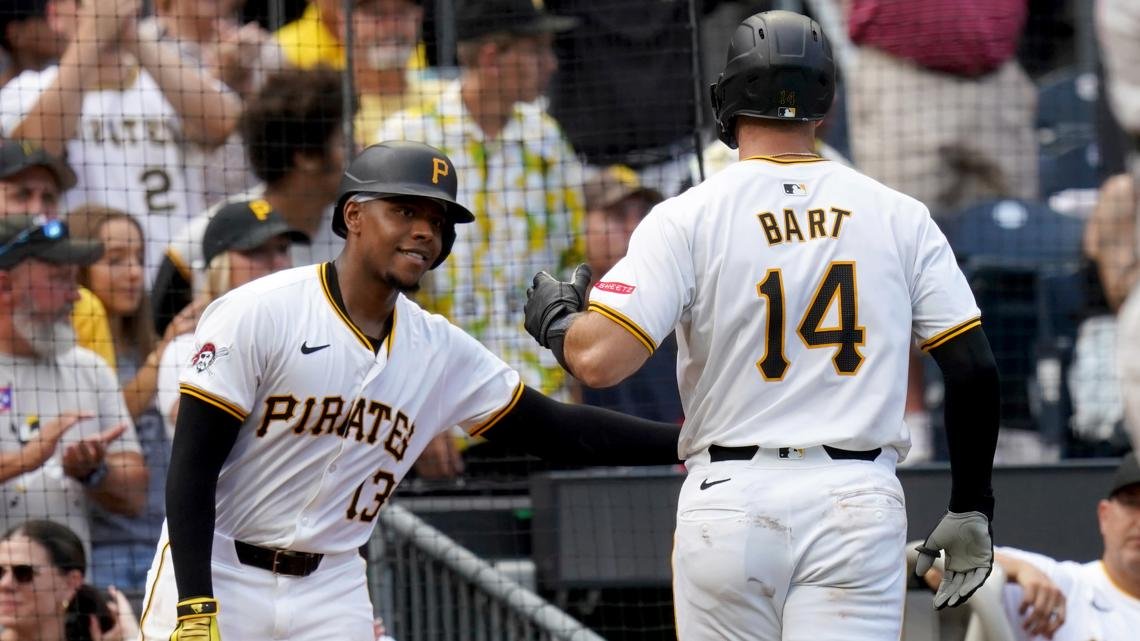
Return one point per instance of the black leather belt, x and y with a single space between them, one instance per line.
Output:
718 453
278 561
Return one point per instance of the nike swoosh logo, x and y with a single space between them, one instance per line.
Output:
706 484
305 349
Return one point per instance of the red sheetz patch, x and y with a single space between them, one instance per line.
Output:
615 287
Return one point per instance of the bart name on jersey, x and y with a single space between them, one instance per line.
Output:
800 227
324 417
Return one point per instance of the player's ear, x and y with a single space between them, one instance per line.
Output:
352 213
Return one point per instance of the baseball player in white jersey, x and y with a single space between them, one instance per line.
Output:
311 393
795 286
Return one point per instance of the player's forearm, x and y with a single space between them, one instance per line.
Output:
585 435
123 489
1012 566
601 353
202 441
208 110
972 414
54 118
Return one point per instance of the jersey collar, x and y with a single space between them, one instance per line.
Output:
331 289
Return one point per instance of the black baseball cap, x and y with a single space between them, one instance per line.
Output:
1127 474
477 18
23 237
18 155
243 225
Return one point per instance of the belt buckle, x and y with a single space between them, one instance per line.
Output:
277 559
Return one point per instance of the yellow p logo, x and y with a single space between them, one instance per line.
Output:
261 209
438 168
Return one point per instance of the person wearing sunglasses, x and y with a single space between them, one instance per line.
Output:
32 181
66 437
43 596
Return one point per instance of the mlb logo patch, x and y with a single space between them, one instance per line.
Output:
795 189
786 112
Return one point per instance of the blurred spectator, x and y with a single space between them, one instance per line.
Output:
70 438
123 105
208 34
516 167
31 183
616 201
1118 28
939 107
243 241
624 87
26 39
43 596
385 36
292 130
1110 246
315 40
1070 601
123 546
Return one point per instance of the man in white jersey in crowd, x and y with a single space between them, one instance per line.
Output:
121 106
1071 601
795 286
312 392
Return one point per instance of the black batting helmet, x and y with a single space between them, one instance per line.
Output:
403 168
779 66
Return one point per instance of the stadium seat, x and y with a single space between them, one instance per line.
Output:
1069 157
1021 260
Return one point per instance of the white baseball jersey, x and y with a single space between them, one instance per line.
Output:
329 427
794 287
127 153
1095 608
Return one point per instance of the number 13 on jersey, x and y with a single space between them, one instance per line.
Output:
837 285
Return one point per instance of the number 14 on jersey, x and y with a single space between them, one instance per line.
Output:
836 286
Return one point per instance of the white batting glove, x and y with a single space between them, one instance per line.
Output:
968 542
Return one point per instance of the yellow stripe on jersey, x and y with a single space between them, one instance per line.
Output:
941 337
154 586
489 423
787 161
216 401
391 334
624 321
324 270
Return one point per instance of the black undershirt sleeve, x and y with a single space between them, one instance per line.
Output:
582 434
203 439
972 410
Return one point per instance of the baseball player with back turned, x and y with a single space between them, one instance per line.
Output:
312 392
795 286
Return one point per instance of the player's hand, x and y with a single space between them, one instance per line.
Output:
968 542
197 620
1042 602
550 302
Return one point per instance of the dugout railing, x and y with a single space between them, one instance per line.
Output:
427 587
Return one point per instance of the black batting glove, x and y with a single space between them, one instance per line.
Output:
550 303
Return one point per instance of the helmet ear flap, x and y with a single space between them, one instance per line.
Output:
448 242
724 130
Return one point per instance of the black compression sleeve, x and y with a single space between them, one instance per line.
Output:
972 410
203 439
567 433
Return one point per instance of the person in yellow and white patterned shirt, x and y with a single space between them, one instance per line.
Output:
517 170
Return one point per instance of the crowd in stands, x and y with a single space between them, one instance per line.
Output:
155 155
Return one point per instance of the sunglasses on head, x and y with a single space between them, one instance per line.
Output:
50 230
22 574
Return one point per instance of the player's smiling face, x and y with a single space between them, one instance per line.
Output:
401 238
